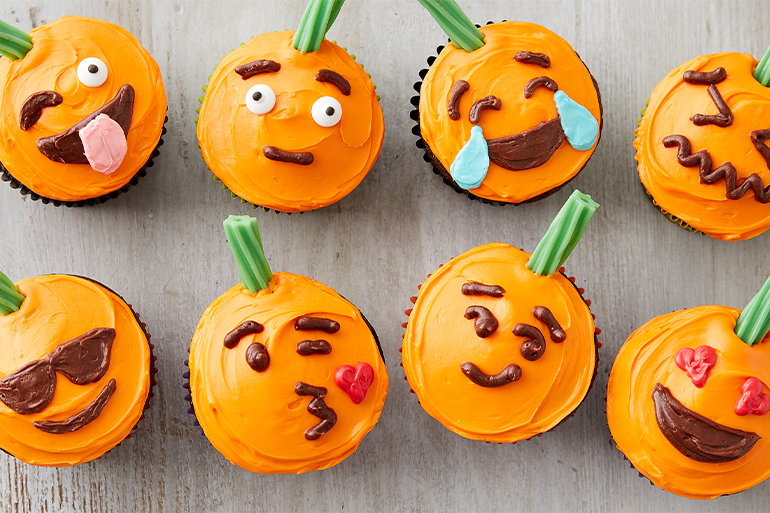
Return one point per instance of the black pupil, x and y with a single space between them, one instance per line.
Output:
256 96
330 111
93 68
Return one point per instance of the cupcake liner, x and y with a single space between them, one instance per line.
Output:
7 176
439 169
597 346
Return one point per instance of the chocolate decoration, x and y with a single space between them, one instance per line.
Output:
458 90
332 77
473 288
317 407
540 59
509 374
310 347
245 328
30 388
85 359
723 119
531 148
33 107
316 323
67 148
81 418
301 158
485 324
545 316
760 138
488 102
257 357
726 171
248 70
695 436
705 78
533 348
533 84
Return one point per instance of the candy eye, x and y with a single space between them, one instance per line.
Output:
327 111
260 99
92 72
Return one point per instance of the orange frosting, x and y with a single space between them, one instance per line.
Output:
56 309
232 137
439 339
255 419
677 189
491 70
51 65
647 358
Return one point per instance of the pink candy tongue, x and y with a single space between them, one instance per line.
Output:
104 144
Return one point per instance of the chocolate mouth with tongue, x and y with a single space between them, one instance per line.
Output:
98 140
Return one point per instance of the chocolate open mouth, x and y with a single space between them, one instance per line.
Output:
531 148
66 147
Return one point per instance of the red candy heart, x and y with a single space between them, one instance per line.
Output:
696 363
355 380
752 400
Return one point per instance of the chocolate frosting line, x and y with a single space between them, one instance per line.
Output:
245 328
301 158
529 149
458 90
257 357
533 84
702 159
705 78
317 407
33 107
473 288
540 59
332 77
488 102
697 437
257 67
760 138
316 323
725 116
311 347
533 348
485 324
545 316
509 374
83 417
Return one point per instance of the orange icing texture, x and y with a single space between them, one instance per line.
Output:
439 339
51 65
647 358
677 189
255 419
232 137
56 309
491 70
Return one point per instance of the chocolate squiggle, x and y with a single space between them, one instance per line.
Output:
533 84
317 407
725 116
82 418
33 107
705 77
332 77
310 347
760 138
726 171
257 357
540 59
533 348
257 67
474 288
509 374
545 316
245 328
485 324
488 102
458 90
316 323
304 158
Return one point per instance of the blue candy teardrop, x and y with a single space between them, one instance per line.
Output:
578 124
472 162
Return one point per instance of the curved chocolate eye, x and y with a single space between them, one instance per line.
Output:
92 72
327 111
260 99
533 348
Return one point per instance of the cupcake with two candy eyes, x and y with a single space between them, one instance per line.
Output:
508 112
500 345
285 375
289 121
82 110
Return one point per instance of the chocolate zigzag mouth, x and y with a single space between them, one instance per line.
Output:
531 148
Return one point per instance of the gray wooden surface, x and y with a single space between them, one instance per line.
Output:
163 248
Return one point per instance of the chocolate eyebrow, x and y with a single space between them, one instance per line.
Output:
245 328
533 84
488 102
540 59
332 77
545 316
316 323
705 77
33 107
458 90
248 70
474 288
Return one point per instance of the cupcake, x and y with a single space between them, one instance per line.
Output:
507 112
82 108
289 121
286 376
687 399
688 162
500 345
76 369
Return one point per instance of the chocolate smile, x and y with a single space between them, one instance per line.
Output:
67 147
695 436
291 157
531 148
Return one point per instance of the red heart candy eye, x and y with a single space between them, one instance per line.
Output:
696 363
355 380
752 400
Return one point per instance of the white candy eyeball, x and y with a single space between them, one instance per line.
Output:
326 111
260 99
92 72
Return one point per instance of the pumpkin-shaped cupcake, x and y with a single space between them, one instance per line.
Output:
76 369
687 399
500 345
507 113
289 121
286 376
82 108
702 145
